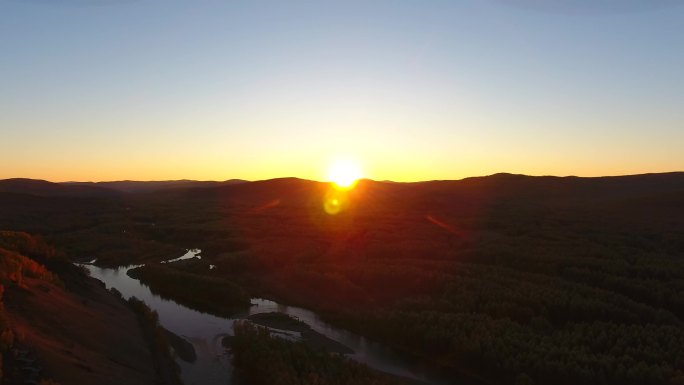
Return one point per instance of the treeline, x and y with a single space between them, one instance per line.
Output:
24 255
261 359
165 366
587 353
14 267
543 305
206 294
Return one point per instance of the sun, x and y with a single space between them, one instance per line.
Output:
344 173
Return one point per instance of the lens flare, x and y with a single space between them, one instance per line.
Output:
335 202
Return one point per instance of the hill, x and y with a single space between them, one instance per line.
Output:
45 188
65 327
129 186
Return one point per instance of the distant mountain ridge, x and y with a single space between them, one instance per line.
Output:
132 186
501 184
44 188
41 187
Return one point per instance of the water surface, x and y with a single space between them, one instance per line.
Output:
205 332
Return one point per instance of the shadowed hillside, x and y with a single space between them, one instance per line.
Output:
67 327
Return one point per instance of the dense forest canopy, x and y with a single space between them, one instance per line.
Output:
508 278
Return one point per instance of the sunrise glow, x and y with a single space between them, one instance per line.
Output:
344 173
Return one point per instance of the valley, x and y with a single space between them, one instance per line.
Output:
505 279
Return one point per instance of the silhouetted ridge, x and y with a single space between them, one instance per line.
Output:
132 186
45 188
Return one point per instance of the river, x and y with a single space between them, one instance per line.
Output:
206 331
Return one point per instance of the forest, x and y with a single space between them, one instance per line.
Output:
206 294
262 359
507 279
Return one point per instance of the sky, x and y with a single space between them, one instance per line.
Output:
410 90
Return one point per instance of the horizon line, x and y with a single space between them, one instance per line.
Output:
326 181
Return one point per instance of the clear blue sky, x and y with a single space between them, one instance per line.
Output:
411 90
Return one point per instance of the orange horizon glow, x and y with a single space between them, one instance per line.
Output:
330 80
217 178
410 167
344 173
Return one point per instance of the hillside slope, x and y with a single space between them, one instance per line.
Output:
80 335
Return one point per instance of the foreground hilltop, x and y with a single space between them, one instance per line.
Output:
58 324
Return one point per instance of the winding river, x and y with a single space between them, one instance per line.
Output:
206 332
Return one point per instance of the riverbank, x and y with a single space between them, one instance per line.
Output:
313 340
253 348
309 337
206 333
181 347
206 294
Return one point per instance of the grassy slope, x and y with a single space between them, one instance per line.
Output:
82 334
83 339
